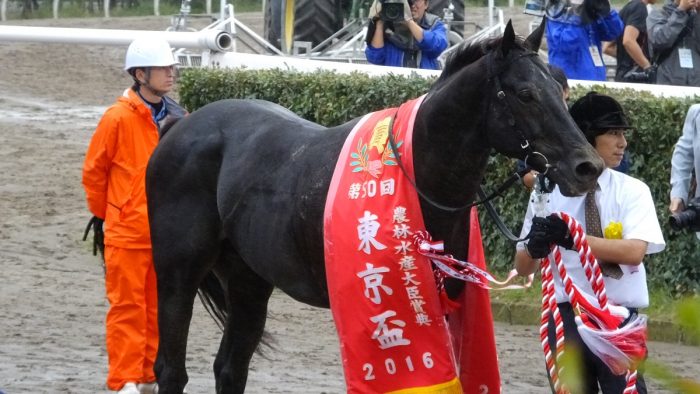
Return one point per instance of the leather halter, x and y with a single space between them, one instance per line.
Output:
485 199
493 75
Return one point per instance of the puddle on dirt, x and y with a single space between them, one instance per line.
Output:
19 109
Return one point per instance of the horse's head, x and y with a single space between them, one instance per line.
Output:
524 114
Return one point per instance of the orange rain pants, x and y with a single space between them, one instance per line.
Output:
132 319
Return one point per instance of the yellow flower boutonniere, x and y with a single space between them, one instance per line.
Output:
613 230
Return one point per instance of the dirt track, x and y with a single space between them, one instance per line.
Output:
52 302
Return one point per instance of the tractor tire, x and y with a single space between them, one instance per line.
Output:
437 6
273 22
316 20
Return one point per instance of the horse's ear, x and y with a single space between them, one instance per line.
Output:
534 40
508 41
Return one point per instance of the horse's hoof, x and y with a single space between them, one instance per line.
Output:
148 388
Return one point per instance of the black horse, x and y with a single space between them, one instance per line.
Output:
236 191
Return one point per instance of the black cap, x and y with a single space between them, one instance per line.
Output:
597 113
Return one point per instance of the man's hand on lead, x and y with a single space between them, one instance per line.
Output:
546 231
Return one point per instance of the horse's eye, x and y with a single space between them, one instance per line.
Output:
526 95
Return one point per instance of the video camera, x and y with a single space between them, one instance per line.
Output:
392 10
689 218
636 74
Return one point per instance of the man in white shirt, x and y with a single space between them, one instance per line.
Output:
619 198
685 160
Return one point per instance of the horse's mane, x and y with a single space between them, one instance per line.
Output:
169 123
469 52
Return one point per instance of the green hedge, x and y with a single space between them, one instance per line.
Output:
322 97
330 99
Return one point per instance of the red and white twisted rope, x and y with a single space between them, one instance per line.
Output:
549 307
549 304
588 260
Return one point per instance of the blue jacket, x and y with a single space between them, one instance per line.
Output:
434 42
568 42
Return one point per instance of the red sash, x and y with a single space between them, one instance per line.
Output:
472 326
393 335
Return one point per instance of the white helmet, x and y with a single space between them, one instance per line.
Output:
149 52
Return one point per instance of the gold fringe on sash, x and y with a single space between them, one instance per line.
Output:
451 387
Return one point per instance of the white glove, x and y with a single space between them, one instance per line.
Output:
375 9
407 16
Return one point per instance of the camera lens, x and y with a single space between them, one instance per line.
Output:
392 12
682 220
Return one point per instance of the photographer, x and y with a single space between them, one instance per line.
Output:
683 162
575 32
403 34
633 58
675 42
621 228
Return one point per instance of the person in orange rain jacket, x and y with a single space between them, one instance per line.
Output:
114 175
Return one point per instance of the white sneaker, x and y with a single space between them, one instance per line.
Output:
129 388
148 388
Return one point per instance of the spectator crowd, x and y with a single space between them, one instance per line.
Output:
651 44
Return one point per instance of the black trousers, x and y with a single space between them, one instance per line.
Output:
595 376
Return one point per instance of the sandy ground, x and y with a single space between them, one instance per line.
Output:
52 302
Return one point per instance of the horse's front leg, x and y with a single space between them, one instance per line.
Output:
247 295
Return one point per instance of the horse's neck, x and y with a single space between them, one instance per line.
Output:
449 144
450 155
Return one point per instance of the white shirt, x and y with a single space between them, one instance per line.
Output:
686 157
620 198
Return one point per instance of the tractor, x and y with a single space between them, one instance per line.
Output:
290 23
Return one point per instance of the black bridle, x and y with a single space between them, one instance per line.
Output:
494 73
484 199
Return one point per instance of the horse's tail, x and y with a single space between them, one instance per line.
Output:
211 293
212 296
